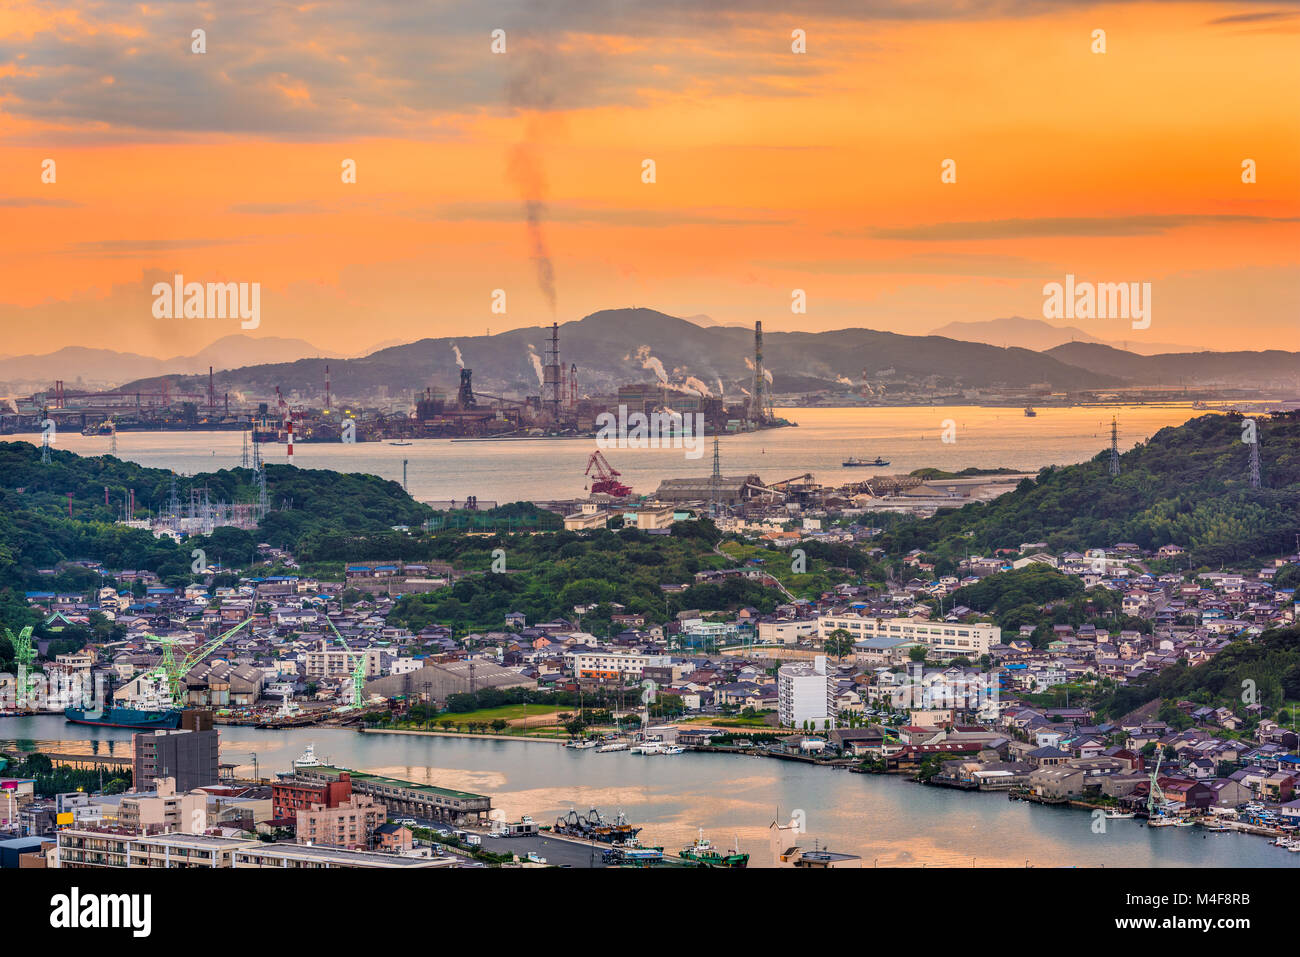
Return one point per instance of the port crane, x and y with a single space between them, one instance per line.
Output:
1155 795
173 672
606 479
24 655
358 672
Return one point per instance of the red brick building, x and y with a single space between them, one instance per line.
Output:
288 798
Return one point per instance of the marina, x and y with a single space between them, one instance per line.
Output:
888 821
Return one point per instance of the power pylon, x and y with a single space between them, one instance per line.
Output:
1254 461
1114 445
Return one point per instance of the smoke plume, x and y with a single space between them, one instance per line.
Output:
537 365
532 90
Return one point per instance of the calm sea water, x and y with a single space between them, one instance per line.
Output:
542 469
889 821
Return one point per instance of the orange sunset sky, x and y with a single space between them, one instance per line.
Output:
775 170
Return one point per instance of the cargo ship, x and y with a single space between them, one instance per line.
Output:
853 462
168 720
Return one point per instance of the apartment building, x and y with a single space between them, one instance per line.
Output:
349 824
330 660
804 693
164 810
120 847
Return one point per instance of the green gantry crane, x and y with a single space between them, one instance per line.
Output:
24 655
173 672
358 672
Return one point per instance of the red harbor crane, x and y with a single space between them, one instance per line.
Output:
606 477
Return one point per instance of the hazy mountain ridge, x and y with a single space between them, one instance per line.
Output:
1039 335
1185 368
617 346
106 366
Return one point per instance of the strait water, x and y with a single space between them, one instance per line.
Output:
544 469
890 822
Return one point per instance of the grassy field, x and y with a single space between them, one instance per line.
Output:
535 713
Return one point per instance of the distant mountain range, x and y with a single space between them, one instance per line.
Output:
104 367
1235 369
1039 335
617 346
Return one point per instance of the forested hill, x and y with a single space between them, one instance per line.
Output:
307 505
1189 485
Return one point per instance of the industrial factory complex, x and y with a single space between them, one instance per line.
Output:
436 411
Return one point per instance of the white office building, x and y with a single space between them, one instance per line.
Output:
803 694
947 637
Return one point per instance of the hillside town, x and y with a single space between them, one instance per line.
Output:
879 680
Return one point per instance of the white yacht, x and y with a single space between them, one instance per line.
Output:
307 759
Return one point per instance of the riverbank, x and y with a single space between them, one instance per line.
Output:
465 734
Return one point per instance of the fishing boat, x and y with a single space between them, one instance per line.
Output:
593 827
853 462
399 443
702 852
612 746
579 745
1029 411
1119 815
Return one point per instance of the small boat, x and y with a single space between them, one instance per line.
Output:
701 851
1119 815
399 443
673 749
1161 821
852 462
580 745
612 746
1029 411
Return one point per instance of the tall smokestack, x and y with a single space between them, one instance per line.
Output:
327 387
757 405
552 375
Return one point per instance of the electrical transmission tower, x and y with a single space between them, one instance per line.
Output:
1254 461
715 481
1114 445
